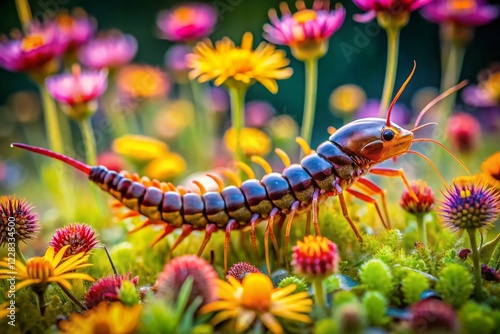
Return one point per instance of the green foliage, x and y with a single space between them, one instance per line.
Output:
433 260
325 326
477 318
128 293
413 285
300 283
376 275
350 318
376 306
488 248
332 283
455 284
494 261
344 297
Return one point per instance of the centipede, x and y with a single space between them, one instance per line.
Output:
338 165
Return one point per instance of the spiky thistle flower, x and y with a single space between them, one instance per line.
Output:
240 270
176 272
107 288
80 238
17 219
315 256
425 197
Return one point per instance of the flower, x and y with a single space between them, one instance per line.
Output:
41 271
434 316
490 169
78 90
142 81
168 166
461 12
315 257
425 197
107 288
80 238
187 22
400 114
113 318
469 203
489 274
347 98
220 99
4 311
111 161
389 12
258 113
255 297
34 52
241 270
283 128
487 92
175 117
463 131
76 29
139 148
176 272
238 67
464 253
111 50
307 31
16 213
175 60
252 141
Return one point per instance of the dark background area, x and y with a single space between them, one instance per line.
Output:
364 67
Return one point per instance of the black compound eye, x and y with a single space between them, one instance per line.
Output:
388 135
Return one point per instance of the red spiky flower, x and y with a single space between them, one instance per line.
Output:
176 272
15 211
107 288
240 270
315 257
80 237
425 197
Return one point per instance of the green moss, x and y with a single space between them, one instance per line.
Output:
300 283
412 286
455 284
376 275
376 307
477 318
332 283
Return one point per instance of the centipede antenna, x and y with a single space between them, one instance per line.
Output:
200 186
217 180
262 163
48 153
303 145
439 98
245 168
430 163
430 140
401 90
423 126
283 156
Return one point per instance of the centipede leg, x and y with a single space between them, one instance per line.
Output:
368 199
147 223
395 173
253 221
211 228
231 225
186 230
166 231
308 222
377 190
269 228
345 212
315 211
293 210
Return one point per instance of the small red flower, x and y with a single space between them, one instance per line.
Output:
240 270
425 197
463 132
434 316
315 257
80 238
107 288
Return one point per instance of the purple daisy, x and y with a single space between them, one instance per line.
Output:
111 50
391 7
175 60
463 12
187 23
76 29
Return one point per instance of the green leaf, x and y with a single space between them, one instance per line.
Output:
488 248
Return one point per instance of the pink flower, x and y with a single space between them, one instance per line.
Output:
175 60
463 131
187 23
463 12
111 50
80 238
392 7
76 29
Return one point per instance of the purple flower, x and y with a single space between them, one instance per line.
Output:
220 99
112 50
175 60
258 113
31 52
187 23
391 7
305 29
76 29
463 12
400 114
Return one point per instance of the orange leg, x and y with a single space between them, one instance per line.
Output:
376 190
231 225
293 210
269 228
346 215
210 228
315 211
395 173
368 199
254 221
308 222
186 230
166 231
147 223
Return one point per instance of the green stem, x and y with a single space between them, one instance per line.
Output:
390 70
475 262
24 12
451 75
319 292
422 230
51 121
41 301
19 254
73 298
311 69
89 141
237 97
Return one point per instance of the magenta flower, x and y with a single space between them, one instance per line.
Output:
187 23
111 50
463 131
76 29
391 7
32 52
258 113
463 12
305 28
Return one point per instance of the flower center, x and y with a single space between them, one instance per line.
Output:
32 42
39 268
462 5
314 246
184 14
304 16
240 61
65 21
257 290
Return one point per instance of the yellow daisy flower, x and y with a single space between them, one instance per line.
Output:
41 271
166 167
238 67
3 310
491 170
110 318
252 141
255 297
139 148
